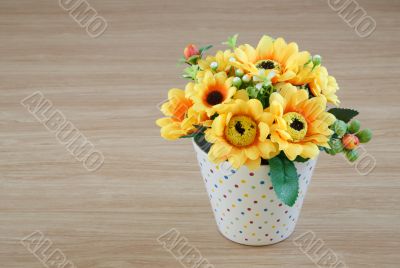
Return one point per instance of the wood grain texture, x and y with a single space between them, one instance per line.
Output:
109 88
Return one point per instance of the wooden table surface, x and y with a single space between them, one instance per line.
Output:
109 88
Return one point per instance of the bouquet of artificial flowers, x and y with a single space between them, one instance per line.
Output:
266 104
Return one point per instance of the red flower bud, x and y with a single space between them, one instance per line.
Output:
190 51
350 141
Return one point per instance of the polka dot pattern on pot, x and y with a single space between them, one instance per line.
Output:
245 205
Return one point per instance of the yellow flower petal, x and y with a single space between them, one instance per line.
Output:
286 76
293 150
218 126
255 108
190 90
252 152
268 149
310 150
265 47
241 55
237 159
279 49
220 149
276 108
241 94
264 131
250 52
221 78
253 164
209 78
163 121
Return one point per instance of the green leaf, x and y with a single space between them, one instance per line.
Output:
191 72
252 91
284 179
308 62
343 114
204 49
301 159
202 142
215 115
193 59
231 41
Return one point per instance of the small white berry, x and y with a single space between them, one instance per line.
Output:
246 78
214 65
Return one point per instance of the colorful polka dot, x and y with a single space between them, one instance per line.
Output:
245 205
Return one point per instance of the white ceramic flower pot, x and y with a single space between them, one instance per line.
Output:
245 206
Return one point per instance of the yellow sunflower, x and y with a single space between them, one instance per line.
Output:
239 134
300 124
218 63
324 84
214 89
284 59
181 117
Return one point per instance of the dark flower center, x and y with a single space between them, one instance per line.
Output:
214 98
266 65
241 131
239 128
297 124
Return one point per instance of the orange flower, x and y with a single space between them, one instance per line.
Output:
300 124
214 89
181 117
